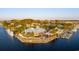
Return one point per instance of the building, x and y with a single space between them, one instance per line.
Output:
36 31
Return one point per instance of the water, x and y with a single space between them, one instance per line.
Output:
9 44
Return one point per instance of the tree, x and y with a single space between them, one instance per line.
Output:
5 24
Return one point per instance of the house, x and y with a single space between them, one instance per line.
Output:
37 31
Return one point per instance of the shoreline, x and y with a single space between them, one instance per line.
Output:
9 32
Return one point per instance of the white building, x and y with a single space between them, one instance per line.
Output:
36 31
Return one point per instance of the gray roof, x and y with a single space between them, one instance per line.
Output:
36 30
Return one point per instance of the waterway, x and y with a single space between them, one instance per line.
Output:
13 44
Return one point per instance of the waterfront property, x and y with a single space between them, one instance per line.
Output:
40 31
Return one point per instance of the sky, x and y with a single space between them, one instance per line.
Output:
8 13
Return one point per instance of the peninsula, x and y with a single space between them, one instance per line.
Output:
40 31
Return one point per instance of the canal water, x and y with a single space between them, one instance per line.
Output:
13 44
